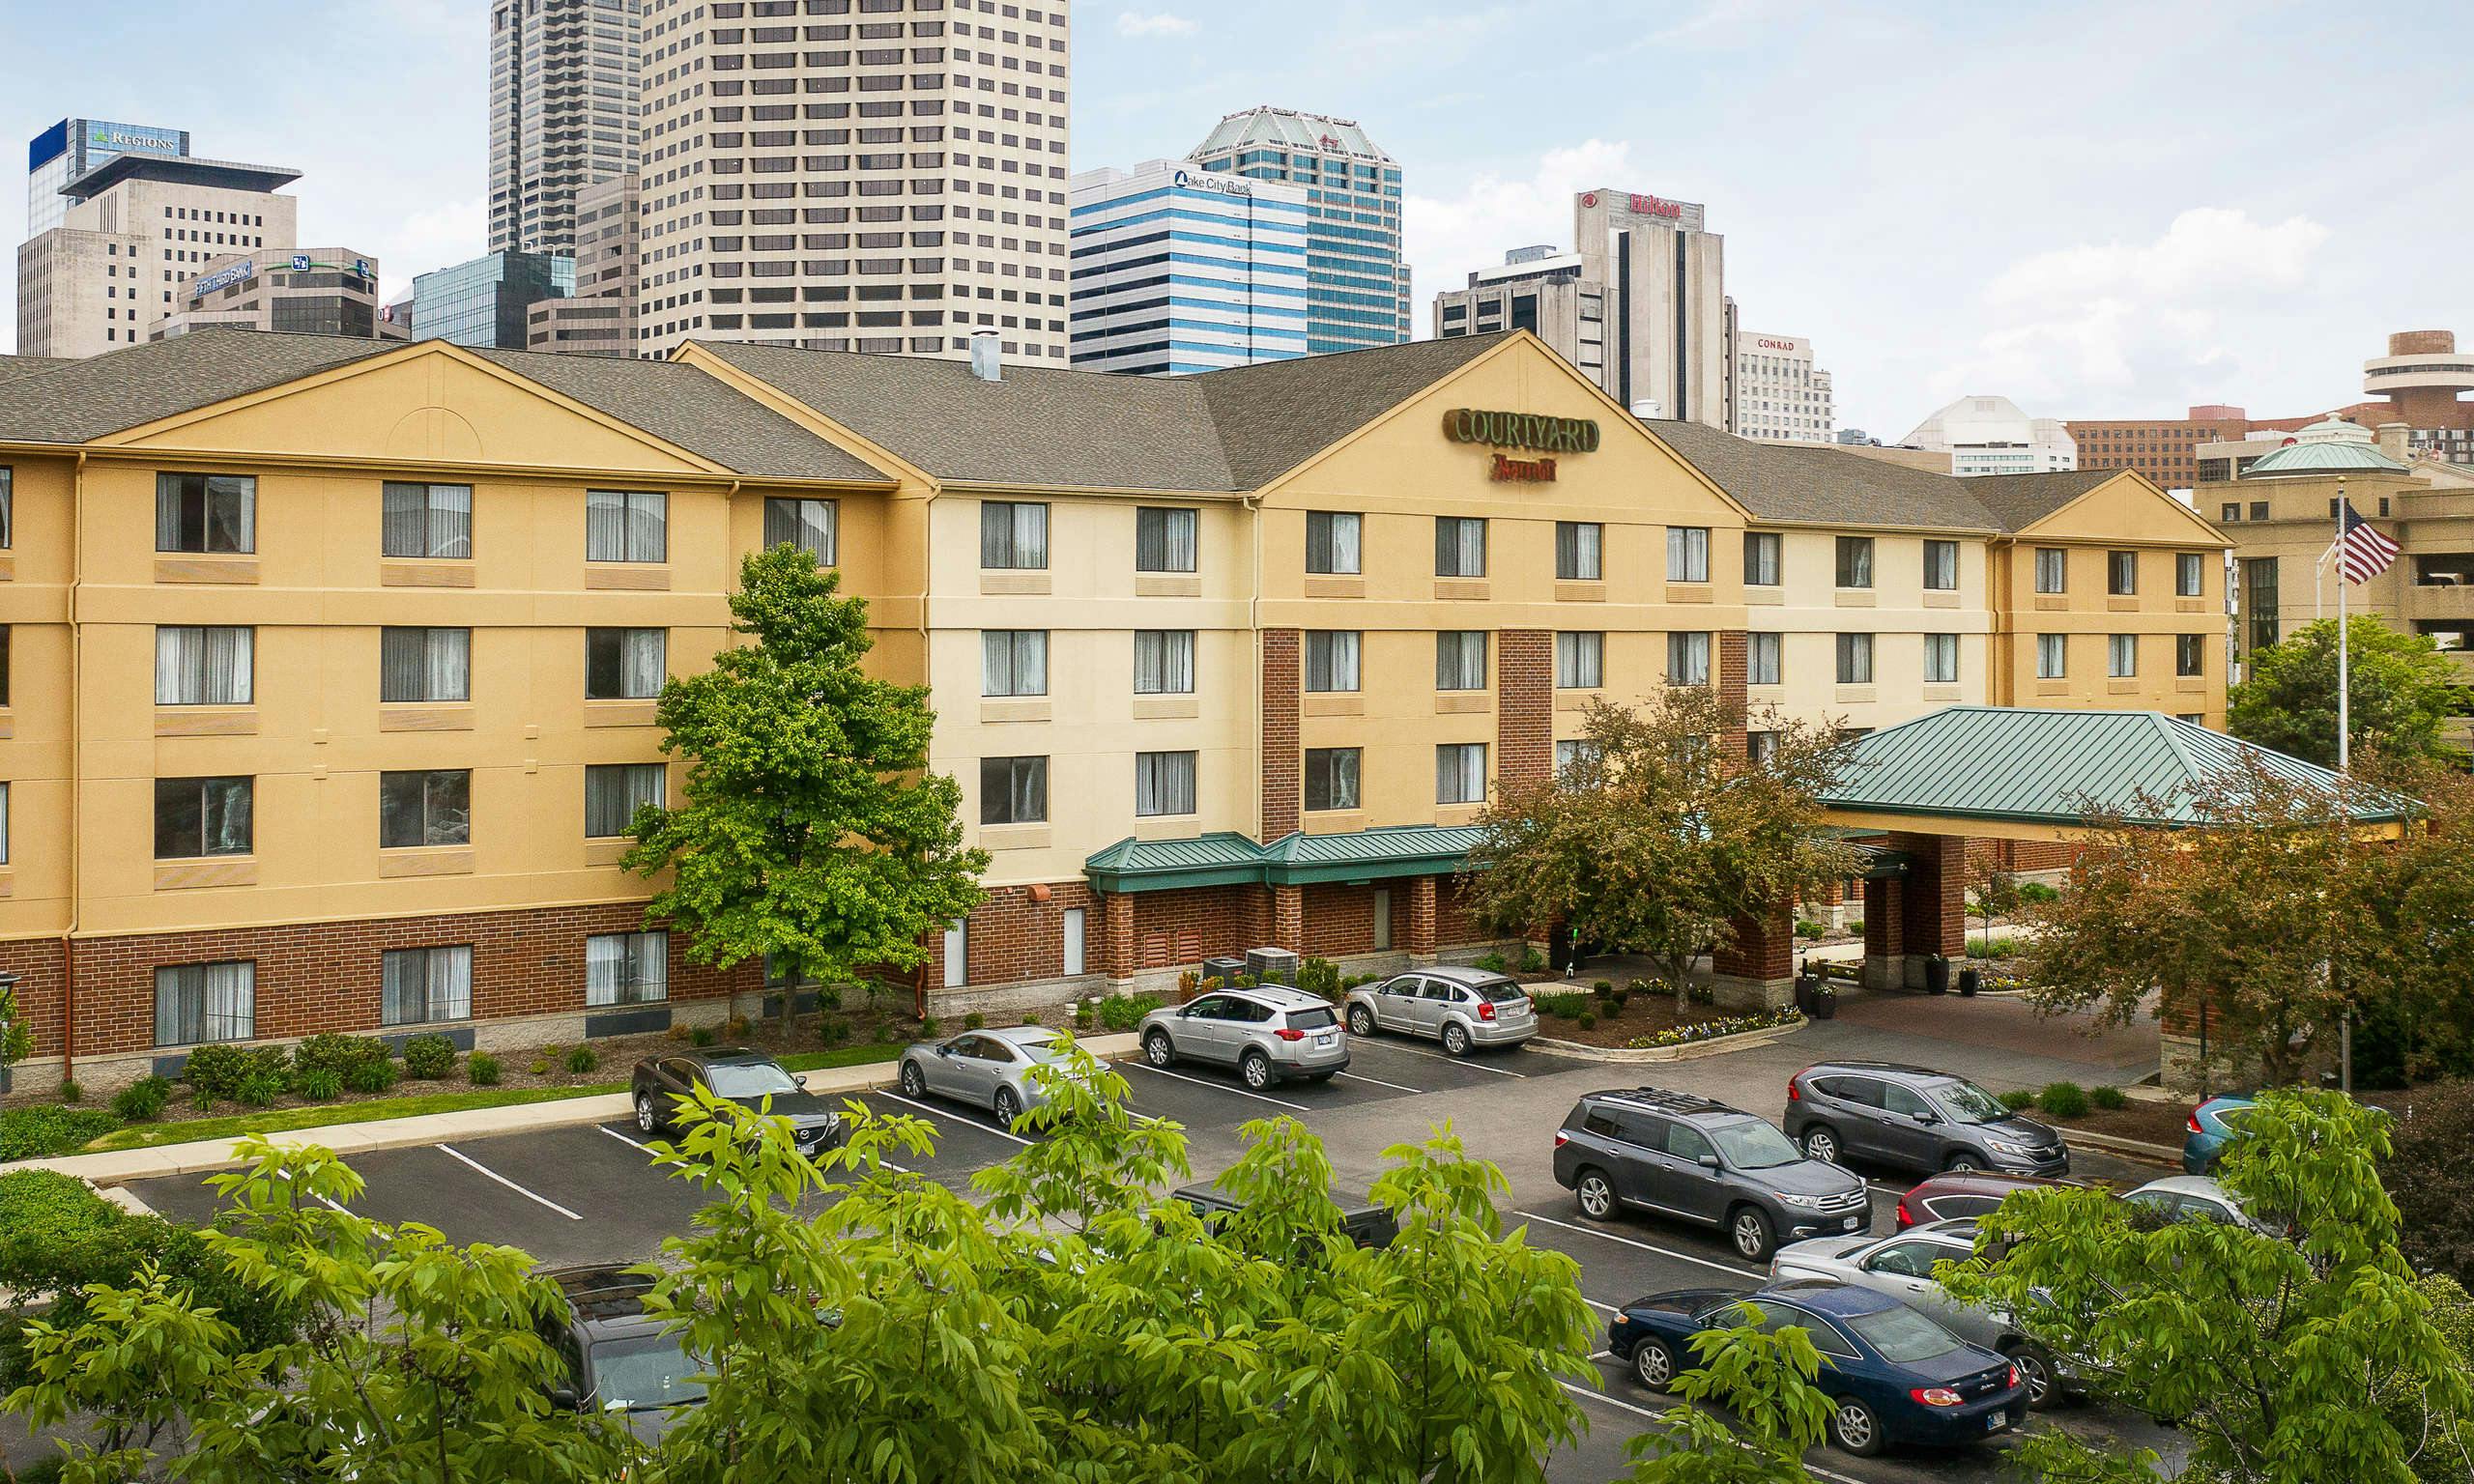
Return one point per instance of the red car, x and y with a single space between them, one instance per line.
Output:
1969 1194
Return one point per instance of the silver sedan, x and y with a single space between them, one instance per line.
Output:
984 1068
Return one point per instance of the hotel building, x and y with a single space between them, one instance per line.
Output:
1780 396
1178 269
1357 282
1219 661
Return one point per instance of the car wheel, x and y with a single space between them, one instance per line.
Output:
648 1114
2035 1368
1008 1106
1157 1051
1455 1040
1256 1069
1360 1021
1854 1428
1964 1162
1653 1362
1595 1195
1821 1143
1748 1229
914 1082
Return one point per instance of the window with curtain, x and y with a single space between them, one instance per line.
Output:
2121 655
1460 546
1013 790
1854 561
420 984
1460 659
613 792
2190 654
626 525
1941 566
1578 752
2189 575
1761 559
625 664
627 968
1687 553
2121 573
1332 542
1164 662
1163 783
8 508
4 824
204 667
1761 658
810 524
1461 773
424 665
197 1003
1760 746
1164 540
1332 658
1331 777
1855 659
2053 651
1940 659
206 513
1687 658
426 519
200 816
1580 661
432 807
1578 551
1012 534
1013 662
2053 569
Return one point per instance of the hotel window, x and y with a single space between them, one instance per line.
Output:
433 807
1460 659
197 1003
204 667
1580 661
1331 660
1941 566
1854 561
1164 540
624 664
2190 654
1013 535
1331 777
613 792
1164 784
1940 659
2259 602
201 816
1577 551
2121 573
2121 655
1460 546
1164 662
1013 790
627 968
2259 509
1687 553
2051 656
1855 659
8 508
1760 746
2053 569
1688 659
2190 574
1461 773
417 986
1013 662
206 513
626 525
1574 753
1762 652
1761 559
1331 543
810 524
426 519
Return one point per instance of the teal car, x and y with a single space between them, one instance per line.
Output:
2214 1123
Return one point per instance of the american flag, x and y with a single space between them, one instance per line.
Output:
2362 553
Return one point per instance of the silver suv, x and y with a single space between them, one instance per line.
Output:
1461 1008
1270 1033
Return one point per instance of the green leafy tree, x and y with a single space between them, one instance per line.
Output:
2303 1352
1993 888
1658 841
2401 691
811 829
2410 936
17 1037
1766 1383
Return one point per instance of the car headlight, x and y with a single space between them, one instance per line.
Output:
1801 1202
2014 1150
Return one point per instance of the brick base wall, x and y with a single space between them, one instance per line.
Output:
1339 920
1013 935
1176 928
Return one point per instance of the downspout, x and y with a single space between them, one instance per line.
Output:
1253 504
77 773
926 519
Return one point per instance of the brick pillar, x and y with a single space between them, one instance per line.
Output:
1732 673
1933 908
1524 707
1758 969
1884 935
1417 940
1282 764
1116 938
1288 918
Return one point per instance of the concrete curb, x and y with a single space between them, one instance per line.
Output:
121 1166
2160 1154
1690 1051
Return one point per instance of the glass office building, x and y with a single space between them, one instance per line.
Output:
72 147
1178 269
1357 285
486 302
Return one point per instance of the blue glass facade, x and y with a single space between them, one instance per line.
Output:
1175 270
1357 284
483 302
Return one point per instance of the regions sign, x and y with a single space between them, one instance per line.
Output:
1521 430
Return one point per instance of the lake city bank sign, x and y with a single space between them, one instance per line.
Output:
1530 432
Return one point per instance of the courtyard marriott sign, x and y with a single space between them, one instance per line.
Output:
1529 431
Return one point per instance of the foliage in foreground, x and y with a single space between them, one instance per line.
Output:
1765 1380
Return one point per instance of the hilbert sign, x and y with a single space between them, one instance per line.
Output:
1531 432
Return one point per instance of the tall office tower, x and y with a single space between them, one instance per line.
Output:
599 317
1177 268
488 300
72 147
1670 343
1780 395
1357 287
889 180
563 113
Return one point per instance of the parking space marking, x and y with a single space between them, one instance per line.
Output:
1685 1257
1460 1060
1217 1087
1379 1082
1638 1411
477 1167
622 1138
1002 1134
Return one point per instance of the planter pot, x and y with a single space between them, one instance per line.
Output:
1824 1005
1970 980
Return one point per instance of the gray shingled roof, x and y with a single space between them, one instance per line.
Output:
11 366
1829 486
2020 501
74 401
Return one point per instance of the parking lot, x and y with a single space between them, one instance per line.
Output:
589 1193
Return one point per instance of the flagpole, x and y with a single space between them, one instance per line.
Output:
2345 677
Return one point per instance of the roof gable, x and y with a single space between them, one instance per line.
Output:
79 401
2120 505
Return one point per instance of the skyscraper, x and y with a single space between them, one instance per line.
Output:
1177 268
72 147
1357 285
888 181
487 300
1670 346
563 113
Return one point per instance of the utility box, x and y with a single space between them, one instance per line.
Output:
1271 965
1225 969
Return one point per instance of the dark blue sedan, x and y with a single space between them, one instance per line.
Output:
1892 1375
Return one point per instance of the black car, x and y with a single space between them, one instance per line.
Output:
1362 1222
749 1078
1914 1118
1697 1160
617 1356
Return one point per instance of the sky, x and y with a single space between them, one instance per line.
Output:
2099 209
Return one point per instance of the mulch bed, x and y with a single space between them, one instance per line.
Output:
2149 1123
1645 1013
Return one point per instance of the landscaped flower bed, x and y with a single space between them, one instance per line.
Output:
1712 1030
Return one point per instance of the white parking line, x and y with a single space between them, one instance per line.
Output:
1458 1061
970 1122
1217 1087
1608 1307
1379 1082
1685 1257
622 1138
457 1155
1588 1395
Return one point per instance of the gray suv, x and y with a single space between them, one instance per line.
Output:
1461 1008
1270 1033
1697 1160
1917 1117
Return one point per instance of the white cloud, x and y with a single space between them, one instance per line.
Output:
1448 236
1166 23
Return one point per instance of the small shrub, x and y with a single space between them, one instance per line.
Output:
1994 948
47 1129
318 1084
1637 986
701 1036
540 1067
1318 976
583 1059
1618 1000
1587 1021
974 1022
214 1072
261 1089
886 1033
372 1078
1246 981
71 1091
1210 981
2109 1099
737 1026
2038 892
1188 981
430 1056
1701 995
833 1030
553 1050
481 1069
1492 963
1602 988
1532 961
1807 927
1855 925
1083 1017
928 1028
1030 1018
1563 1006
677 1031
2063 1099
1119 1013
142 1100
2017 1100
340 1054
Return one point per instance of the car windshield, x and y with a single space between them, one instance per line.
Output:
1499 991
640 1373
1903 1336
1968 1104
1049 1048
749 1079
1315 1019
1749 1144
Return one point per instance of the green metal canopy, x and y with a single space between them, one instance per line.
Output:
1224 857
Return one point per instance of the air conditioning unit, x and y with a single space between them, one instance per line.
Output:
1271 965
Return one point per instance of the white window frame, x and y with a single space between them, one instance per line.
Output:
1580 660
1461 773
1341 660
1013 663
627 968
